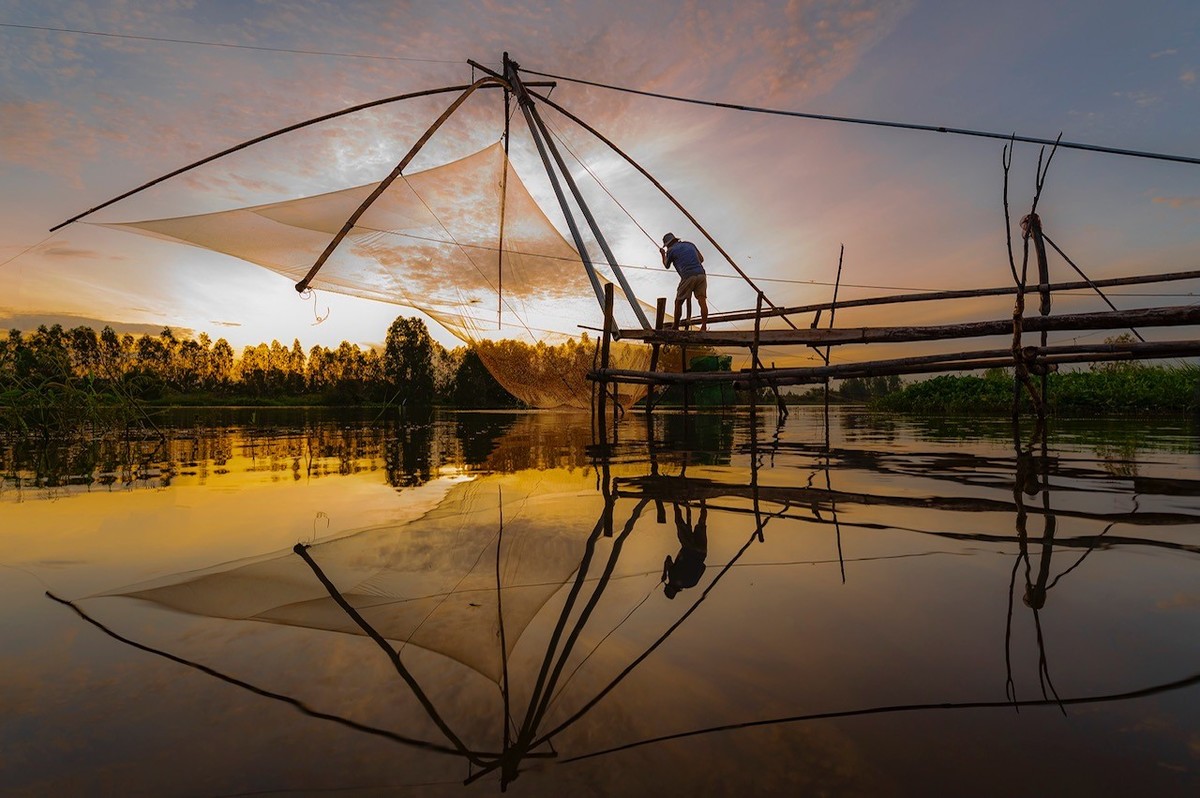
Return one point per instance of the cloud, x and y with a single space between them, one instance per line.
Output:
1179 202
226 323
69 252
171 103
1179 601
1142 99
1188 77
31 320
1163 53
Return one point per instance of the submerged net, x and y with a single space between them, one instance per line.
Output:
431 242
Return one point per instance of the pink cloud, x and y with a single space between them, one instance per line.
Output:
1179 202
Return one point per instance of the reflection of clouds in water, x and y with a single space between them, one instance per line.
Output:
1179 601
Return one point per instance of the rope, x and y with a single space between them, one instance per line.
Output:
599 182
26 250
880 123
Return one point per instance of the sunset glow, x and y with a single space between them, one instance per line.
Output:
85 117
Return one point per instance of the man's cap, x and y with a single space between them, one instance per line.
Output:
668 239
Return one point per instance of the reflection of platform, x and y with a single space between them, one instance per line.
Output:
569 546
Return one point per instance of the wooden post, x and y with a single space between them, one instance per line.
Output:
837 283
605 343
660 313
754 368
683 360
1039 248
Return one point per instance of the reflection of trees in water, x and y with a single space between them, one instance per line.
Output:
529 732
297 445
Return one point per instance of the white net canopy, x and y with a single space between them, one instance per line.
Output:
432 241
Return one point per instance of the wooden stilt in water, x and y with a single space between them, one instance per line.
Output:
605 344
683 363
837 283
1039 248
660 313
754 368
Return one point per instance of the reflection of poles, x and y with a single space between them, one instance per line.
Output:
1026 482
1101 698
754 536
837 525
547 680
299 705
500 619
392 655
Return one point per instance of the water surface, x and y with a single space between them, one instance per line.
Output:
487 601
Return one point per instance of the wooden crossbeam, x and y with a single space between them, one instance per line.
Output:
1106 320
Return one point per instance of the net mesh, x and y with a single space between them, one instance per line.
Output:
439 582
431 242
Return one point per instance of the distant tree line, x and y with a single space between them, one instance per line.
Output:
411 368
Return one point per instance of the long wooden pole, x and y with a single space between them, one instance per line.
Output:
1106 320
591 221
661 188
1079 353
266 136
965 293
605 343
387 181
524 103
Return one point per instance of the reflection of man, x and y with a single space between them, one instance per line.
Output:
688 566
686 259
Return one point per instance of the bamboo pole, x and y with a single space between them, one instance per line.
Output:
754 373
958 361
524 103
660 312
1168 316
966 293
1039 248
587 216
659 186
266 136
605 343
1094 285
387 181
825 355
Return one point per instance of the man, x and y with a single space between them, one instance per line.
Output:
686 259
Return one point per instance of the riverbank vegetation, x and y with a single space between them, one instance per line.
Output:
55 378
1106 389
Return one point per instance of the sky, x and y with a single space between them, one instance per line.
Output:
86 117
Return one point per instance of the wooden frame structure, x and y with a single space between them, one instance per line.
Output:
1027 361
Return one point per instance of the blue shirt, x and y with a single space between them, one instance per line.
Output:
684 256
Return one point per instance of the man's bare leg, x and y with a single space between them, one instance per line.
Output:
678 310
703 312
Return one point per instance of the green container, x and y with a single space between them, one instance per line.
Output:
716 395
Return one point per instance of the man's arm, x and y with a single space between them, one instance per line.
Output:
663 251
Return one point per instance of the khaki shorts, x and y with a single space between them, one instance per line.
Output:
696 285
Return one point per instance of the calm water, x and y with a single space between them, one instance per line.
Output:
924 607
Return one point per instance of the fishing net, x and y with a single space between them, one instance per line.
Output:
442 582
431 242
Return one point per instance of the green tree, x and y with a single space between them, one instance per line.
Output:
408 360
